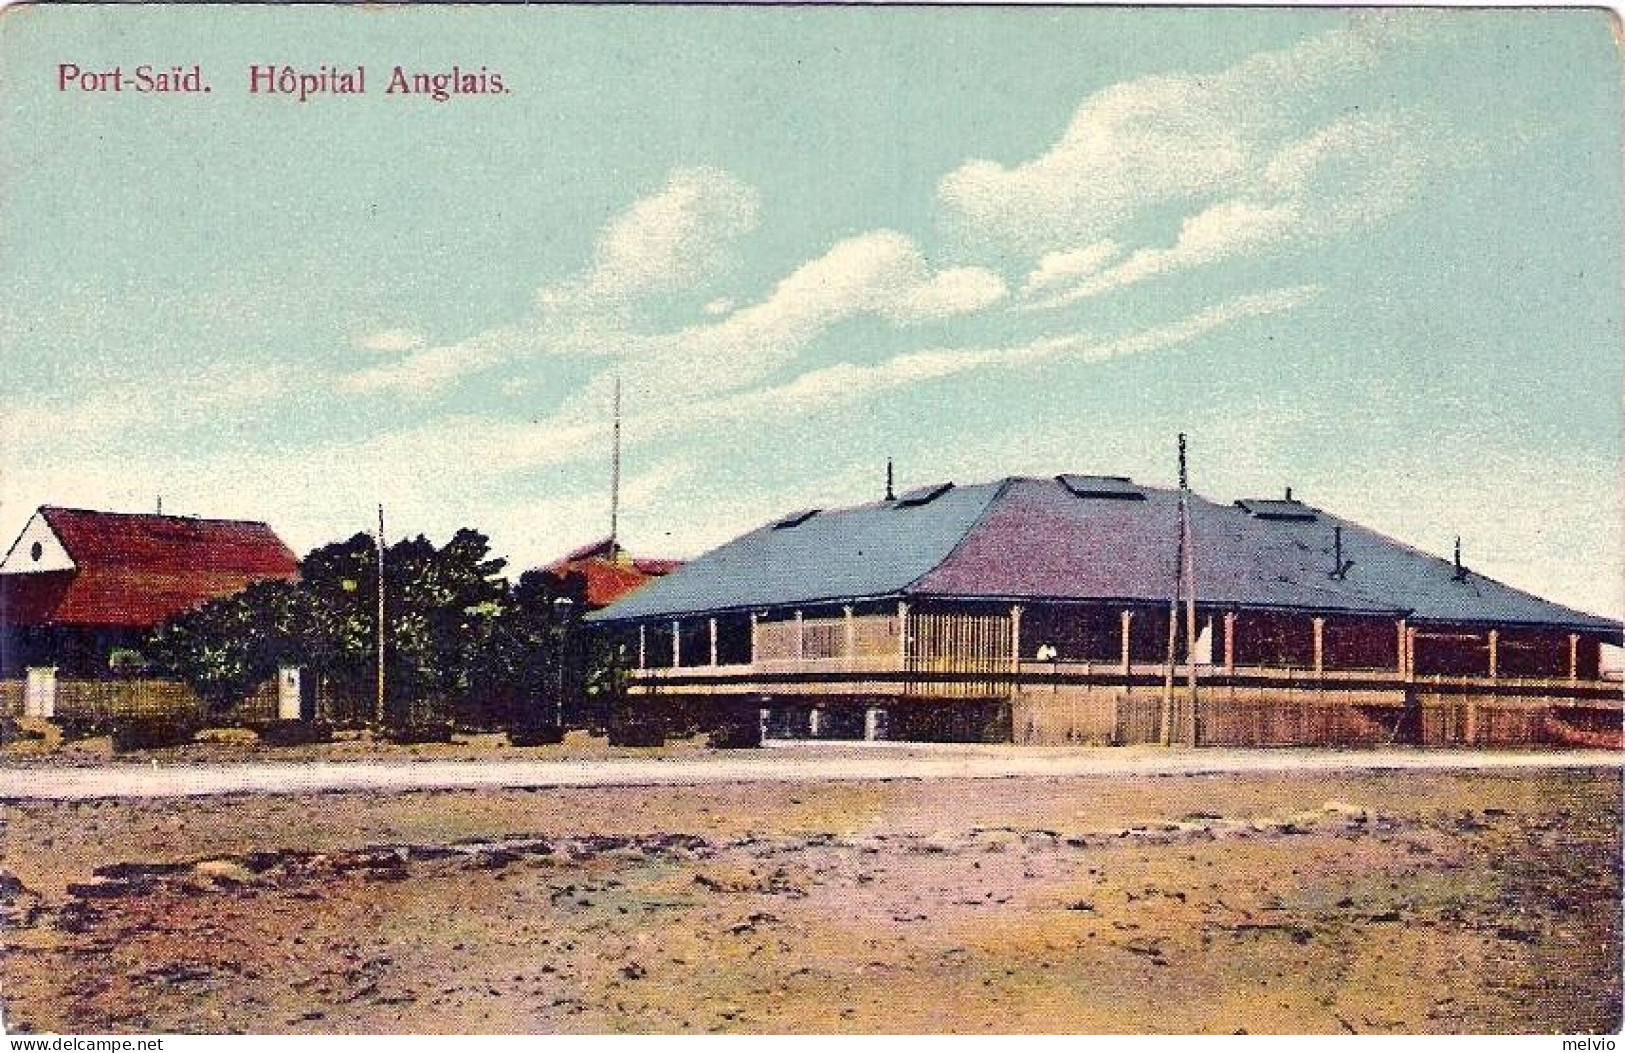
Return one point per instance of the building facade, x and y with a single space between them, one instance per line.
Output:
78 587
1039 611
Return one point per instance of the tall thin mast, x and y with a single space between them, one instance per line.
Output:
378 701
1173 608
615 475
1187 545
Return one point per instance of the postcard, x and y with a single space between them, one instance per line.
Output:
670 519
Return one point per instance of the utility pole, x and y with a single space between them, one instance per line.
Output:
615 477
378 700
1173 608
1187 544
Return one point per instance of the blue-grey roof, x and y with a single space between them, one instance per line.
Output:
870 551
1038 539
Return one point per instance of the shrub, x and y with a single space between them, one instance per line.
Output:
736 735
11 731
536 735
148 733
295 732
638 733
74 730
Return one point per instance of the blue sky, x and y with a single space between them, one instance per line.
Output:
1372 257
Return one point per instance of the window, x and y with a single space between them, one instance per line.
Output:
923 495
1292 511
1107 487
36 551
795 519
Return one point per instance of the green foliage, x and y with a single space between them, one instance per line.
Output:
227 646
456 633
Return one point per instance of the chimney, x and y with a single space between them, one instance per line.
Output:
1461 571
1288 493
1340 566
890 492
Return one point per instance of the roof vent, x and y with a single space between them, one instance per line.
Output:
1102 487
795 519
1293 511
922 495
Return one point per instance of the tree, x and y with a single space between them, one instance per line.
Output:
529 671
441 605
228 646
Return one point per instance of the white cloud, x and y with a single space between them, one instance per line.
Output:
1190 142
846 382
426 371
392 341
1352 172
675 239
1339 178
1068 266
95 424
678 237
1225 229
963 290
880 273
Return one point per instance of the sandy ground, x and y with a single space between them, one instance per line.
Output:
1410 901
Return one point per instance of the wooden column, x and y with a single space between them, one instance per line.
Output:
643 646
676 643
851 647
1319 625
1128 617
753 648
713 622
1574 656
1229 641
1495 653
902 633
801 645
1015 638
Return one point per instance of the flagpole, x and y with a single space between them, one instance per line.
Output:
378 701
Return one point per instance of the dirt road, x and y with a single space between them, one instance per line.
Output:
796 764
1454 901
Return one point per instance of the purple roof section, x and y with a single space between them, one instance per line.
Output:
1052 539
1040 540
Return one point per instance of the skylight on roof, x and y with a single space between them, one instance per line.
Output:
1295 511
921 495
795 519
1106 487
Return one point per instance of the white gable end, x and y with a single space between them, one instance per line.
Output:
37 549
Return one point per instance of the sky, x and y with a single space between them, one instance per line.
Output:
1374 257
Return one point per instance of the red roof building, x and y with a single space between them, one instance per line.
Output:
102 579
608 572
